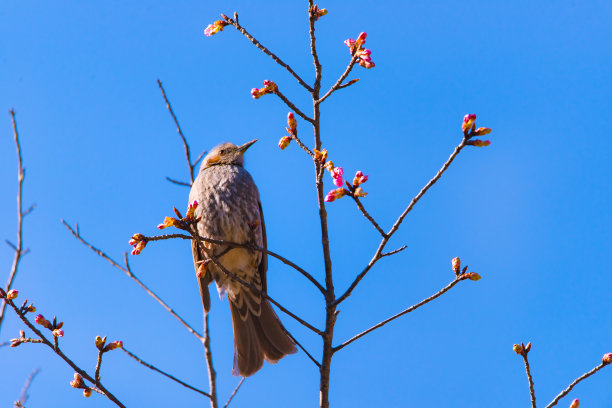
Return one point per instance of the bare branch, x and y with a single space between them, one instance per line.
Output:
290 104
395 251
247 246
303 349
24 392
127 270
400 314
338 84
173 378
19 251
212 374
265 50
59 352
399 221
529 379
178 129
368 216
180 183
573 384
234 393
98 366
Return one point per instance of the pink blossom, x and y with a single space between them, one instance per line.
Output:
337 174
58 333
335 194
12 294
359 178
468 122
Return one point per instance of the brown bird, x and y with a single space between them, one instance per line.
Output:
230 210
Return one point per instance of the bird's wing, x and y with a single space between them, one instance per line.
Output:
204 280
263 265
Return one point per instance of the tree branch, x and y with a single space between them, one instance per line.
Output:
368 216
265 50
234 393
338 84
292 106
212 374
400 314
19 251
24 392
573 384
127 270
399 221
178 129
173 378
59 352
529 379
237 245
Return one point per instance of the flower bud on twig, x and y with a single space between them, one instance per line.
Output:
575 403
607 358
215 27
284 142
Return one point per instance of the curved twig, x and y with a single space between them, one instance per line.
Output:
573 384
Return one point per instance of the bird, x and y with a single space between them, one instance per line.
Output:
229 209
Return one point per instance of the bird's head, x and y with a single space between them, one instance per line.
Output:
226 153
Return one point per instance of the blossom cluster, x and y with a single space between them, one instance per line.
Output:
356 48
55 327
337 174
269 88
469 130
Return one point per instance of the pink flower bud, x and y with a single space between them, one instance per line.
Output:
42 321
468 122
255 93
337 174
349 42
191 209
291 123
361 39
335 194
58 333
139 247
215 27
359 178
168 222
575 403
607 358
284 142
12 294
113 345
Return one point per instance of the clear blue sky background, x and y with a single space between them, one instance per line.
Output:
531 213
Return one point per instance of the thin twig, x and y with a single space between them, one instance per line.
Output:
212 374
573 384
59 352
302 145
400 219
395 251
180 183
234 393
173 378
368 216
98 366
265 50
529 379
303 349
19 252
247 246
24 391
400 314
178 129
338 84
128 271
292 106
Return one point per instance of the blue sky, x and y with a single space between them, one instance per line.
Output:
531 213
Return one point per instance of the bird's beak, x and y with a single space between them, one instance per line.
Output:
245 146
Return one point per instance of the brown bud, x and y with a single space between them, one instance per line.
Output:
456 262
607 358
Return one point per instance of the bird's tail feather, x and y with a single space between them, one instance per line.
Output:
257 338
